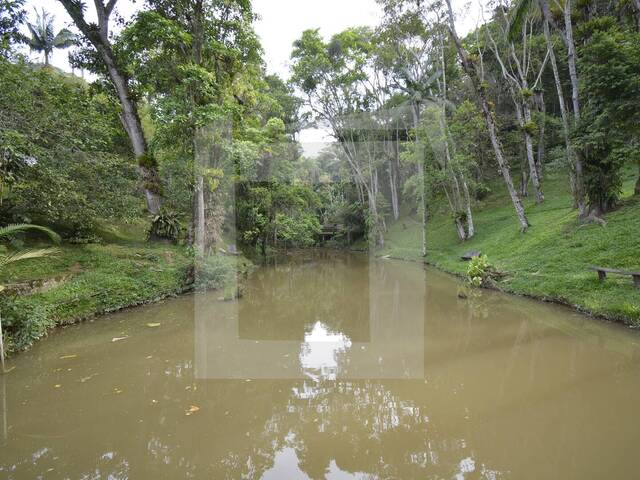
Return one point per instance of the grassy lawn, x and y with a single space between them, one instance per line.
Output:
551 260
88 280
83 281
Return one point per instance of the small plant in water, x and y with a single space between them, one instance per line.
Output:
479 271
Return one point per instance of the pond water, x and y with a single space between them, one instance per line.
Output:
332 365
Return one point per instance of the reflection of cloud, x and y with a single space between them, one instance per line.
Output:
467 465
319 352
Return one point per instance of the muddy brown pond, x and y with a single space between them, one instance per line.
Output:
334 366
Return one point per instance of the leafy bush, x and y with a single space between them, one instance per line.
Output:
24 323
479 271
216 272
166 225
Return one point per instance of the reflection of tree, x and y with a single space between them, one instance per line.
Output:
280 302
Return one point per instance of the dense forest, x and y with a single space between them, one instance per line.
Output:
183 143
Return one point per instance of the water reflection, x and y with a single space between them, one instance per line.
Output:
492 388
376 320
320 350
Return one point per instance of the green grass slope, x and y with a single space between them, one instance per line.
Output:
551 261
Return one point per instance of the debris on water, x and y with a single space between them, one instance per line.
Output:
153 325
57 385
117 339
86 379
65 357
192 409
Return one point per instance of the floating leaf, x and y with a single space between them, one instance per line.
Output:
153 325
117 339
65 357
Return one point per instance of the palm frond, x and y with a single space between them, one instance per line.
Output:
27 254
36 42
64 39
517 18
23 227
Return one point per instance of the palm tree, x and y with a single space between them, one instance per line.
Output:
42 37
6 232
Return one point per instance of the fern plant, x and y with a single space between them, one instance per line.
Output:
165 225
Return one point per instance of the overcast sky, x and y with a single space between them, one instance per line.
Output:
280 23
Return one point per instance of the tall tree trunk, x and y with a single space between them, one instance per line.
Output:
563 108
575 100
528 141
470 70
415 111
99 38
540 106
394 191
524 178
574 154
471 229
571 60
462 234
200 223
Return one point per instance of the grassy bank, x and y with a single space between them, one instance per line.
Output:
83 281
552 260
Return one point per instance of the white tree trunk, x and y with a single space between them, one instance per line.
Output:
415 111
575 100
533 169
470 69
200 226
471 229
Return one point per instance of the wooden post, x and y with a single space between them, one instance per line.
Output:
636 281
602 275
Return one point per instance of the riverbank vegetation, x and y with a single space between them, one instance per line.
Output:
551 262
519 138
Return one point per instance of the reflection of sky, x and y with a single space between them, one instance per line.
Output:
319 352
286 465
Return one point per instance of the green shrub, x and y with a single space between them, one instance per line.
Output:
24 323
216 272
479 271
